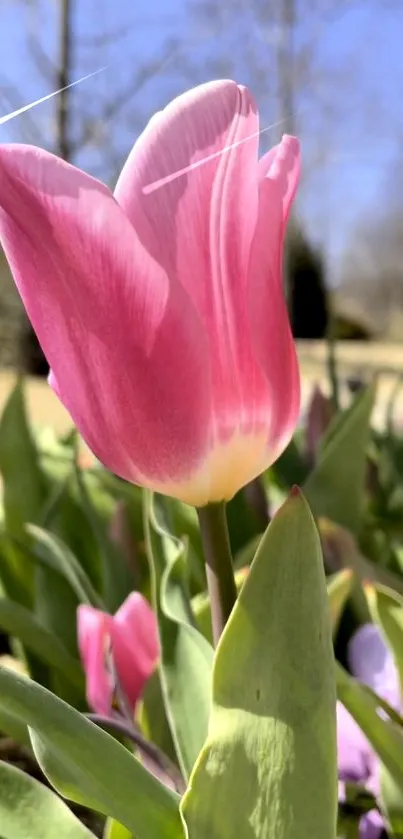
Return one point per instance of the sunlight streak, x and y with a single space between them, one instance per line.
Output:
13 114
169 178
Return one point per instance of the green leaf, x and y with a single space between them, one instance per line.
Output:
243 523
61 584
202 610
153 719
14 728
385 736
53 553
18 621
391 802
114 830
244 557
28 810
16 574
339 588
117 580
343 552
24 492
25 488
335 487
64 516
386 608
88 766
184 523
268 767
186 657
348 827
56 609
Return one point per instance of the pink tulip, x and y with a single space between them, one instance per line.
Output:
160 309
132 637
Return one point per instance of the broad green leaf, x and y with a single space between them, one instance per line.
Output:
29 810
335 487
115 830
53 553
202 610
268 767
88 766
244 557
386 607
20 622
385 736
14 728
186 657
339 588
10 725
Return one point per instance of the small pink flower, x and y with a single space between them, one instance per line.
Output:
132 637
160 309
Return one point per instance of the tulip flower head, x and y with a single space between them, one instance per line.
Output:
372 663
160 308
131 635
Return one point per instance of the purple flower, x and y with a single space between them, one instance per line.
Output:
370 661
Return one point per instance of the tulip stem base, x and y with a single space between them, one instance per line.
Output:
219 565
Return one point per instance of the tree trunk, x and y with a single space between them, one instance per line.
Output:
33 359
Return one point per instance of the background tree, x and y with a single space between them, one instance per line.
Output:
305 286
79 124
371 273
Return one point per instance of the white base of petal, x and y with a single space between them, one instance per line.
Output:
224 471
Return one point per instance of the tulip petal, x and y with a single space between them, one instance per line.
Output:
282 165
135 644
208 214
269 322
138 620
94 636
123 340
372 662
194 173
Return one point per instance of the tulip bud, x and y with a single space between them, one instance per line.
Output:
131 636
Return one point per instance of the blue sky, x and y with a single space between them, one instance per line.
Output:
349 111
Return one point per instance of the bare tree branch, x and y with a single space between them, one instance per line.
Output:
63 79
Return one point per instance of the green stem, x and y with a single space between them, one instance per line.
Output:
219 565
